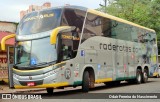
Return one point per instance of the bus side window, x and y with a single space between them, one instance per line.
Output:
73 18
106 27
75 40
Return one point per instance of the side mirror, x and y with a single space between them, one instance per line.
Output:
3 41
58 30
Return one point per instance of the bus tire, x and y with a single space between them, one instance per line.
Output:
138 76
85 82
144 76
49 90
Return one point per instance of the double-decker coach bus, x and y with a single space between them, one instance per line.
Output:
77 46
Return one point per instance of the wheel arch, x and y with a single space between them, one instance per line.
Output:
139 67
90 69
146 68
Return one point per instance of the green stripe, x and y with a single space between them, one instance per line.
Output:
77 83
125 78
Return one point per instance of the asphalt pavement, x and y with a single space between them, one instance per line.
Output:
95 95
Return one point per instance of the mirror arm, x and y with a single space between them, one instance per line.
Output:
3 41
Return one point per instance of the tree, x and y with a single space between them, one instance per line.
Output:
143 12
132 10
154 20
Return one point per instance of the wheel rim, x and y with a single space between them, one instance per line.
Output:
89 81
145 75
139 77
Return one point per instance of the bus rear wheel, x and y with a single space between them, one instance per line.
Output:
49 90
138 76
145 76
86 82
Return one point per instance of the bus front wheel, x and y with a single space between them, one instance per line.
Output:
86 82
49 90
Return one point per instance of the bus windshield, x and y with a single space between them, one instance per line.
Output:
35 53
40 21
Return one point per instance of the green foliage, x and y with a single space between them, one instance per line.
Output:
143 12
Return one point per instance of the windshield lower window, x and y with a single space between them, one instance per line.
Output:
35 52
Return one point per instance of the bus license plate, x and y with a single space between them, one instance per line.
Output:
30 84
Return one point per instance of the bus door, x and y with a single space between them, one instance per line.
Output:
68 46
10 62
119 59
129 60
126 62
132 59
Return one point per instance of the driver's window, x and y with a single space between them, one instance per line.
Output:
67 45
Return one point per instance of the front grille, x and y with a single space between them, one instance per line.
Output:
24 83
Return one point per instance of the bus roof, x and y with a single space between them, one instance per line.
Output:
117 19
107 16
100 14
62 7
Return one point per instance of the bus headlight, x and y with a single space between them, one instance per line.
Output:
16 76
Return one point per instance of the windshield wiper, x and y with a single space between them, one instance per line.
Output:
17 64
21 62
35 66
44 63
51 62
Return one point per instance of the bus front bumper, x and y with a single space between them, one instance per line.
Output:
52 85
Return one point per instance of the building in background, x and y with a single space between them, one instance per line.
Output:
35 8
6 28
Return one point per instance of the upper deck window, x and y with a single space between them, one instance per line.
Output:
41 21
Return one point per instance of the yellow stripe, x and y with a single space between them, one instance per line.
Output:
54 85
116 18
5 80
55 32
35 69
103 80
3 41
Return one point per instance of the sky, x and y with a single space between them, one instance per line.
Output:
10 9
